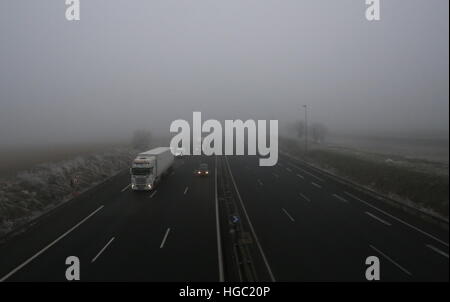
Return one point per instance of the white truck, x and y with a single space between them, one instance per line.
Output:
149 167
178 152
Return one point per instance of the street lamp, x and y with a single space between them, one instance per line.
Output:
306 128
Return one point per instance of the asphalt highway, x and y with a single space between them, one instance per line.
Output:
165 235
309 228
313 228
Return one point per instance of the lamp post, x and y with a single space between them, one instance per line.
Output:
306 128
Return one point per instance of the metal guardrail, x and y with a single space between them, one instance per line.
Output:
239 240
435 219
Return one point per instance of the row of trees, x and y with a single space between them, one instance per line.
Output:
317 132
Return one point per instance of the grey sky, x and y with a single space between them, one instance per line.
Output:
144 63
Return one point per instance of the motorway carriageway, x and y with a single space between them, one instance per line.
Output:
310 228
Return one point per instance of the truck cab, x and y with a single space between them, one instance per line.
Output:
142 173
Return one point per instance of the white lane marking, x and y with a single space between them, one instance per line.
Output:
102 250
306 172
260 182
288 169
288 215
301 176
391 260
378 219
153 194
272 277
340 198
437 250
219 238
398 219
126 188
165 238
316 185
49 246
305 197
276 175
186 190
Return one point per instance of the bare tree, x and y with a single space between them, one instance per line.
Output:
141 139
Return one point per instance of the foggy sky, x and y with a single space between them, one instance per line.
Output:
142 63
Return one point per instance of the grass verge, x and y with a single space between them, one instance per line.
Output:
424 189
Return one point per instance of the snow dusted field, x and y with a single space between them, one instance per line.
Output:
33 192
415 181
434 149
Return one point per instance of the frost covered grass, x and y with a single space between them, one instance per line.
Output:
35 191
411 181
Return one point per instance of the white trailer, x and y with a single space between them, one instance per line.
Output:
149 167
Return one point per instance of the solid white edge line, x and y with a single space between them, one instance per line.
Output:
306 172
288 215
398 219
392 216
102 250
250 224
442 253
391 260
165 238
378 218
49 246
186 190
219 239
